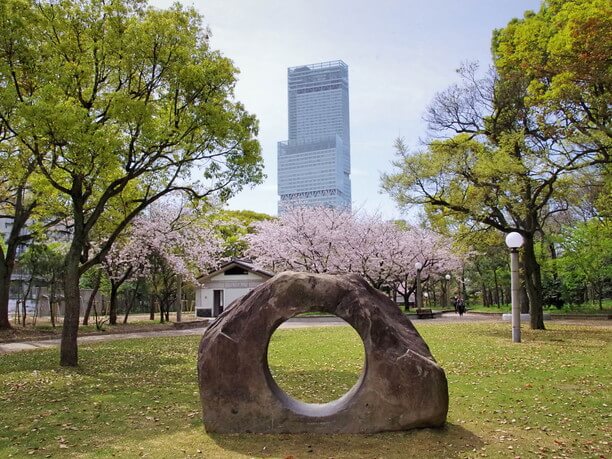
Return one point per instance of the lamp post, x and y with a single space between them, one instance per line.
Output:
514 240
448 278
419 295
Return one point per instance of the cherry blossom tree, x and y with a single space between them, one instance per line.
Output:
329 240
303 239
166 245
433 251
126 261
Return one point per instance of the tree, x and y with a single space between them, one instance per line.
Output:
232 226
330 240
562 55
167 244
44 264
126 260
22 208
586 259
303 239
177 245
15 210
97 281
509 154
120 105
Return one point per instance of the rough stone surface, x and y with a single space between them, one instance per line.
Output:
401 386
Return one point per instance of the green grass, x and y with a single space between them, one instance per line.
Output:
586 308
44 331
504 308
314 368
546 397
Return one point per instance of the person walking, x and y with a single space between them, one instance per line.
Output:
460 306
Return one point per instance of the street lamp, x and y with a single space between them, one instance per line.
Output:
419 298
448 278
514 240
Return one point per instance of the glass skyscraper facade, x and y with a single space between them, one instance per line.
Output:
314 164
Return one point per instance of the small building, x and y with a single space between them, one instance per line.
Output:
231 281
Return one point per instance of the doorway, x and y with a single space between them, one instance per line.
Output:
217 302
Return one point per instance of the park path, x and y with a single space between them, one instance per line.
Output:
6 348
298 322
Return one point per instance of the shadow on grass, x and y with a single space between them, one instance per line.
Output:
449 442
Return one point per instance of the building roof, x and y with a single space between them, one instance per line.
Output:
245 264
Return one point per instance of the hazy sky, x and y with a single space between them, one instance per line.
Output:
399 53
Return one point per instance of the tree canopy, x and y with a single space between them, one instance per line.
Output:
329 240
509 141
119 104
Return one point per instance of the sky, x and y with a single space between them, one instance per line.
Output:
400 53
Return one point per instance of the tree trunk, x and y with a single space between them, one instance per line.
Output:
497 291
444 293
130 304
92 298
6 269
406 303
151 307
36 307
25 299
533 284
485 296
24 308
72 303
52 287
600 295
524 301
112 314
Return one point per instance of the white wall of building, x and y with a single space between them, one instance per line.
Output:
204 296
233 286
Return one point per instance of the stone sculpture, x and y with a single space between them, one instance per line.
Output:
401 387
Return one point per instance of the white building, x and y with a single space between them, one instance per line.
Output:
231 281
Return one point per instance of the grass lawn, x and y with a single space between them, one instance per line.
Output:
137 323
586 308
546 397
44 331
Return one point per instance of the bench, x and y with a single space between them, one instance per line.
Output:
424 313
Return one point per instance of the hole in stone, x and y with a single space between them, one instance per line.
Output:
316 364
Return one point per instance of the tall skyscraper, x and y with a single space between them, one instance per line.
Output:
314 165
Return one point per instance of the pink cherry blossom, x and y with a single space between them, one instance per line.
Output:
169 234
324 239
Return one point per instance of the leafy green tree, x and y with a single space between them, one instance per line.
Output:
586 259
15 205
24 209
508 155
562 53
233 225
15 210
120 104
44 263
